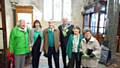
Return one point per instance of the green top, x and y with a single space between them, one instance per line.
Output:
36 34
70 45
50 37
18 42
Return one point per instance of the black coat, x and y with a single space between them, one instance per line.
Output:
64 39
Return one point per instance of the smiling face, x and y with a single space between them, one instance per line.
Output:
37 25
22 24
51 24
76 31
88 35
64 21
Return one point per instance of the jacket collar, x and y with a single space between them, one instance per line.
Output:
91 39
37 29
24 30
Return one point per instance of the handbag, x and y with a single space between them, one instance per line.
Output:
105 55
11 60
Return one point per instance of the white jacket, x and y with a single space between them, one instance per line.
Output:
92 44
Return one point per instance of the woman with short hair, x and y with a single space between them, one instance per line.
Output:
19 44
73 48
91 50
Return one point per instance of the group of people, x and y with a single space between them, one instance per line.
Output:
82 49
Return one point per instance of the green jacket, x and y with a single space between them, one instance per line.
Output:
18 43
70 45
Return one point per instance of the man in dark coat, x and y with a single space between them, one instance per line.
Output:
65 30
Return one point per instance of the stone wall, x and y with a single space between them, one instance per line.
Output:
9 18
113 15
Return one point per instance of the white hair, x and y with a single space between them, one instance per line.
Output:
19 22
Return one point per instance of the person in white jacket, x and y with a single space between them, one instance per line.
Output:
91 50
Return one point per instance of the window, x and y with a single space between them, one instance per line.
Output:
102 23
97 23
56 9
0 19
86 21
1 39
94 23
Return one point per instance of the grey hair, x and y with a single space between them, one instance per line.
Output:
19 22
77 27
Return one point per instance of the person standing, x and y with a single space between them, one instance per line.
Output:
73 48
91 50
19 43
51 44
65 30
36 42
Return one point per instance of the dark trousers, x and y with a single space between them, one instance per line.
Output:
52 52
75 59
36 53
35 60
63 48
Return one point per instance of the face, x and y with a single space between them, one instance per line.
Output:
51 24
88 35
22 24
76 31
64 20
37 25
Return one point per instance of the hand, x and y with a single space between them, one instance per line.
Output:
30 48
85 56
81 53
46 55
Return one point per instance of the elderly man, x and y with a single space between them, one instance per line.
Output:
18 43
51 44
65 30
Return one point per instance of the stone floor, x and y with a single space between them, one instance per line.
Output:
113 63
43 63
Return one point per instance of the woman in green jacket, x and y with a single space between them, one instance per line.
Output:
73 48
18 43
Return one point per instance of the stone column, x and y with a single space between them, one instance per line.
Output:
77 17
113 16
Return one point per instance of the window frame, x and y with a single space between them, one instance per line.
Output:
62 11
89 25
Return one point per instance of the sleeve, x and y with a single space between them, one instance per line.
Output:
42 40
81 47
59 37
12 41
31 33
68 46
97 49
43 46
